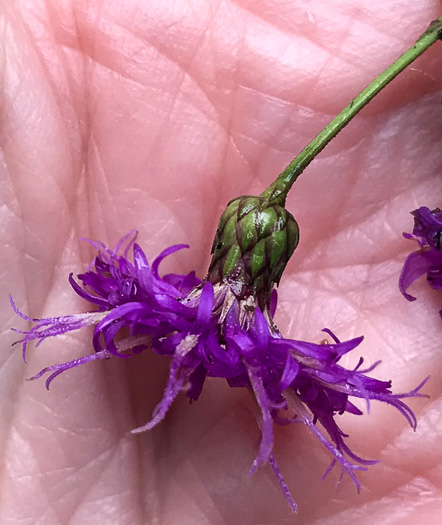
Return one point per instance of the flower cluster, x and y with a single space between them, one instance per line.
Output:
207 330
427 232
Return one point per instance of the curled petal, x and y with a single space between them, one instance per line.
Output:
165 253
58 369
416 264
93 299
173 388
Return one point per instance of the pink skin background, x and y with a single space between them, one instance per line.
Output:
152 115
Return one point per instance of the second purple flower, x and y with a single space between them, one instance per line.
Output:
427 232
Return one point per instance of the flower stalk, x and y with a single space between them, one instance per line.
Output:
278 190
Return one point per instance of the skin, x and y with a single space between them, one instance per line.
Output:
152 115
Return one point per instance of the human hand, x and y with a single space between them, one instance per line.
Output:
153 115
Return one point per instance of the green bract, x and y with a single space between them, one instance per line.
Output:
253 244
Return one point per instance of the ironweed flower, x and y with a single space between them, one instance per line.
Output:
223 327
427 232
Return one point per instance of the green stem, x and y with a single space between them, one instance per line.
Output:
278 190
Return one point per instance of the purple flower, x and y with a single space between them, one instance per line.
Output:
427 232
208 330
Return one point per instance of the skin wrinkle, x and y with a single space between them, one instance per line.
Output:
43 64
279 27
85 137
199 501
331 58
163 472
88 145
427 75
37 45
228 129
349 58
333 54
85 70
369 322
20 205
399 486
278 131
88 140
178 91
77 470
44 489
68 82
364 13
140 480
273 135
122 73
156 145
237 150
96 197
402 469
183 66
180 65
122 432
17 395
104 465
103 461
3 26
374 497
351 227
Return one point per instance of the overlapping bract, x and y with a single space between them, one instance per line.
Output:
207 332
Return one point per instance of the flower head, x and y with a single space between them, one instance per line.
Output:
252 246
223 327
427 232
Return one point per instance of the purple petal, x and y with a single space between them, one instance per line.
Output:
173 388
290 372
129 238
196 380
416 264
171 304
130 311
428 226
205 305
58 369
165 253
434 276
331 334
352 409
266 446
18 312
273 302
140 259
184 283
282 484
262 330
85 295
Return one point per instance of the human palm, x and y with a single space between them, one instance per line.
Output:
152 115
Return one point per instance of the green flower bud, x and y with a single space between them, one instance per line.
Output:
253 244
